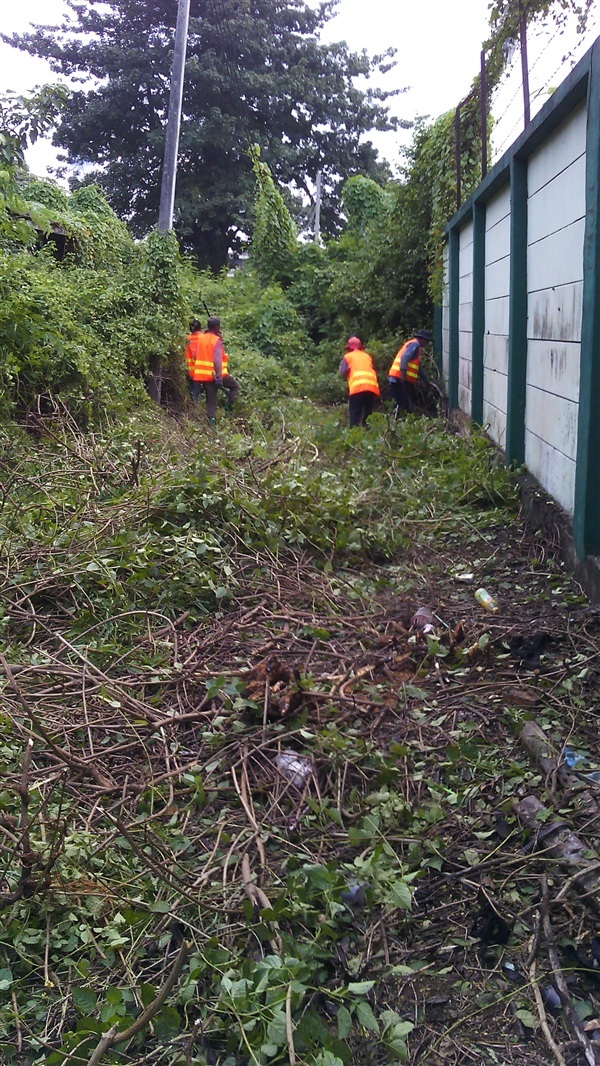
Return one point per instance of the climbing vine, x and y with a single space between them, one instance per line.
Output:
274 240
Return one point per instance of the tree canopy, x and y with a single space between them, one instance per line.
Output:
256 72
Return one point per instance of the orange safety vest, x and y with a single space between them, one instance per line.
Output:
200 356
225 362
362 376
412 368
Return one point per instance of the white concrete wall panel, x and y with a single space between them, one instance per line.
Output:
555 314
497 240
465 318
563 147
497 278
496 316
558 203
465 315
498 208
556 259
495 375
495 420
555 235
556 472
554 368
495 341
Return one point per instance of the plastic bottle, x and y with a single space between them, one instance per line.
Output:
485 600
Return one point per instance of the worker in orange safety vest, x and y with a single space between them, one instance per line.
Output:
363 389
207 365
406 369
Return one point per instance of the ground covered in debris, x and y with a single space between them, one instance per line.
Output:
276 788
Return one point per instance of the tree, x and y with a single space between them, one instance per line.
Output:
255 73
22 120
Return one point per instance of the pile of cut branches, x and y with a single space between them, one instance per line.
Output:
253 809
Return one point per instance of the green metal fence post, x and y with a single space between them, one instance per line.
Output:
586 515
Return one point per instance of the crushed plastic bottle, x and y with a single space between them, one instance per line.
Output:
296 768
486 601
572 758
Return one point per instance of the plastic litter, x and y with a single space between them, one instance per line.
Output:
422 618
295 768
464 579
572 758
354 894
486 601
551 997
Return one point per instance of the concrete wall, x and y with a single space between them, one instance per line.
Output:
555 231
495 339
554 270
445 319
465 317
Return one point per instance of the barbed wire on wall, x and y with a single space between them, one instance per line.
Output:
508 112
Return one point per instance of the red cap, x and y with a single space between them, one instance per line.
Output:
353 343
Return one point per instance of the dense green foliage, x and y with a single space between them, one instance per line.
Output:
119 553
85 326
255 73
131 553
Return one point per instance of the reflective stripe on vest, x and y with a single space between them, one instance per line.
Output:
362 376
225 363
190 348
412 368
200 355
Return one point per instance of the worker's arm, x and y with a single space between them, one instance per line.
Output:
218 362
344 369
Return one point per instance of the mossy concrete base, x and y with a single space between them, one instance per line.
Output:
542 512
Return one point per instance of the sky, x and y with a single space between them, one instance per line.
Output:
438 55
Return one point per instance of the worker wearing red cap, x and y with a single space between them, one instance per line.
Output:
363 389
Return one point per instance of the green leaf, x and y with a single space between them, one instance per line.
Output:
366 1017
85 999
401 895
360 988
529 1020
344 1022
6 979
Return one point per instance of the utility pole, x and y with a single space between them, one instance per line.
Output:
318 207
167 189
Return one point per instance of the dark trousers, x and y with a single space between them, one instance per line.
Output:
402 395
360 406
210 391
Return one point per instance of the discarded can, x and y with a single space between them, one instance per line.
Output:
486 601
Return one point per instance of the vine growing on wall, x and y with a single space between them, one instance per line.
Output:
430 175
275 238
